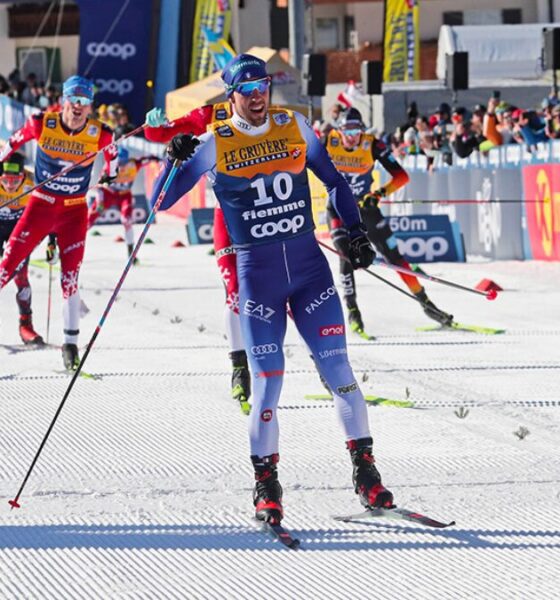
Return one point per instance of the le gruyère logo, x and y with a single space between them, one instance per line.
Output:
263 151
56 144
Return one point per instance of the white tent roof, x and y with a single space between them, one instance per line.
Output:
507 51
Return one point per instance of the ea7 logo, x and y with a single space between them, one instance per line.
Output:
258 311
328 330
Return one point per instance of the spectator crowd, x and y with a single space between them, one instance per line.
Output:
446 132
460 131
32 92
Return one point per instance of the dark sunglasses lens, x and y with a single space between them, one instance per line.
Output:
246 89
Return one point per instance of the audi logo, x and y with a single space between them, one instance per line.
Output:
264 349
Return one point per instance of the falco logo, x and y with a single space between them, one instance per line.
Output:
328 330
346 389
295 152
266 415
51 123
221 114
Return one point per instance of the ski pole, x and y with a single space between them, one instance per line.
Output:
69 168
49 303
15 502
389 283
489 295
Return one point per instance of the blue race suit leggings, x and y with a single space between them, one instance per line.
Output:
293 271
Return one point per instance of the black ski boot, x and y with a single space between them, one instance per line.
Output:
267 495
130 248
27 334
366 478
240 380
432 311
70 356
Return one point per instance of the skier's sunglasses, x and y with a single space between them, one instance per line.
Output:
12 179
81 100
351 131
11 182
248 87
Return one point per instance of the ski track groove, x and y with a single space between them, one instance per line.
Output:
388 369
146 515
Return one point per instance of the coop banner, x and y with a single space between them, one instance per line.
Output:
427 238
114 51
401 43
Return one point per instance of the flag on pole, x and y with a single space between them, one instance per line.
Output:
349 95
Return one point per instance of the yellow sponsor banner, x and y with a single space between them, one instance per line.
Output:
213 16
401 43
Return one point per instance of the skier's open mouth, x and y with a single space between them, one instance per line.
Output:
257 108
77 112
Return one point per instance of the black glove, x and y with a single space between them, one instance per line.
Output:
361 252
182 147
51 254
106 179
371 199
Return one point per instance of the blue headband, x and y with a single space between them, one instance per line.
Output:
78 86
243 67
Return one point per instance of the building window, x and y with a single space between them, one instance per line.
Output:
24 20
350 33
326 34
453 18
511 16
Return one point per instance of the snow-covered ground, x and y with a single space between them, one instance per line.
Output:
144 487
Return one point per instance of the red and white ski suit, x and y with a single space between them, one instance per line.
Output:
59 206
